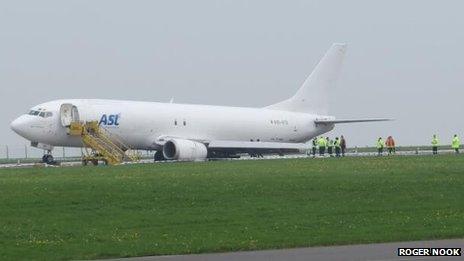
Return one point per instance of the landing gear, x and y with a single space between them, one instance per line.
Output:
159 156
48 159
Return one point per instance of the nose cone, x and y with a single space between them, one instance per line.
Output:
19 125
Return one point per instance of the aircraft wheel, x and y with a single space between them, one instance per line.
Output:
95 162
84 162
48 159
159 156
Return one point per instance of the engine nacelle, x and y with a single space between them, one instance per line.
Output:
185 150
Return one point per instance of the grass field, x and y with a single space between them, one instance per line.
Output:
152 209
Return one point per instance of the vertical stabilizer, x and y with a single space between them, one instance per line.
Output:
312 97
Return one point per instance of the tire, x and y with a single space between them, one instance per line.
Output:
48 159
159 156
95 162
84 162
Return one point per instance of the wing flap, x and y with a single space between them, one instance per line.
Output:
333 121
226 144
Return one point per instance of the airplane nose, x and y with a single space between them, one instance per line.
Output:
18 125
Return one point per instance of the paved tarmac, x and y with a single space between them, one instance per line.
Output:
377 252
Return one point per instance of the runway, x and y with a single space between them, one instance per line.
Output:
377 252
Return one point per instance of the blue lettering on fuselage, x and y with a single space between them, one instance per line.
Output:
109 120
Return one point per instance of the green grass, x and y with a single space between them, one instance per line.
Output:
153 209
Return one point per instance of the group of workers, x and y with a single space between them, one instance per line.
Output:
337 146
390 145
455 144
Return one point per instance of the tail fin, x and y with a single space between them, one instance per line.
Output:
312 97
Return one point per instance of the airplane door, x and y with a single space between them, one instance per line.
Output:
68 114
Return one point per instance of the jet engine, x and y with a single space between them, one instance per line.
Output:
184 150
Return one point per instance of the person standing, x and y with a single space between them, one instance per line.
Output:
456 143
321 144
343 145
390 143
314 146
434 144
330 145
337 147
380 146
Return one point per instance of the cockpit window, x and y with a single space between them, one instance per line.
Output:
33 112
43 114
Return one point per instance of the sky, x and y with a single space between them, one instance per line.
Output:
404 60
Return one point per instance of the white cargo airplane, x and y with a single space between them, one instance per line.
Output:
196 132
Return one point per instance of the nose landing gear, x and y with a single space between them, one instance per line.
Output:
48 158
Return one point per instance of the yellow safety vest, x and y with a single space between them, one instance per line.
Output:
380 144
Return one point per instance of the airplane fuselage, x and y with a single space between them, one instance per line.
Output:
141 124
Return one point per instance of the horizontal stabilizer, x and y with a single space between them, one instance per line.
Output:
333 121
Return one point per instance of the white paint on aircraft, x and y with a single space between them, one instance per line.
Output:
193 132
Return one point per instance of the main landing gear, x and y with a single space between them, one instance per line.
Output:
159 156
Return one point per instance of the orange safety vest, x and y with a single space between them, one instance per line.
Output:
390 143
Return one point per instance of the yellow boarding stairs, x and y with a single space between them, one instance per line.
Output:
103 145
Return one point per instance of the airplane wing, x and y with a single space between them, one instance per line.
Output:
334 121
246 146
243 146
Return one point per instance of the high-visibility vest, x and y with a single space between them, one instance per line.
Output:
435 142
390 143
380 144
321 142
455 143
331 143
337 143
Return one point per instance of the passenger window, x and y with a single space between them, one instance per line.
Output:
185 123
175 122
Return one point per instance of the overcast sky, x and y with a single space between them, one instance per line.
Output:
405 58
